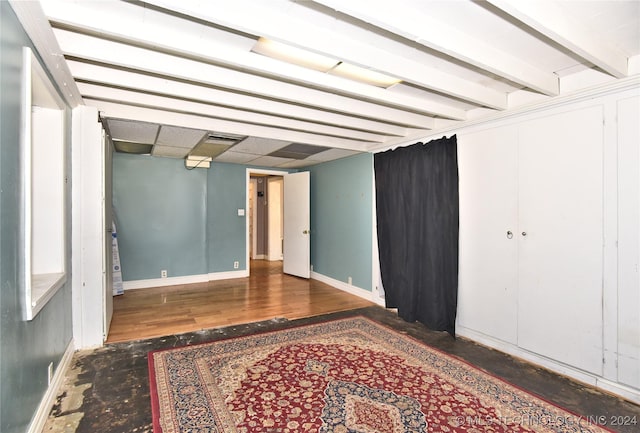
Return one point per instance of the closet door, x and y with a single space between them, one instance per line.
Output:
487 290
560 237
629 242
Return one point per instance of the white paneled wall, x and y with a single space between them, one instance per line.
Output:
628 348
550 237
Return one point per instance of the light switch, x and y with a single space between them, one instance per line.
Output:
240 212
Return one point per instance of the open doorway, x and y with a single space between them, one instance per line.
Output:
266 222
265 217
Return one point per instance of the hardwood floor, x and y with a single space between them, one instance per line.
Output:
266 294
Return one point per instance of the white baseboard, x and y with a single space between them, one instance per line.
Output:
49 398
228 275
596 381
354 290
160 282
187 279
215 276
624 391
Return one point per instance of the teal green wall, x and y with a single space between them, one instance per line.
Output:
26 348
187 221
341 219
184 221
226 231
160 208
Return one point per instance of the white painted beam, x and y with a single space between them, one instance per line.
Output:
547 18
274 20
155 31
34 21
144 114
122 55
93 91
448 40
149 84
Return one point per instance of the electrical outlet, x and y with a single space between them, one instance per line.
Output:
236 265
163 273
49 373
350 281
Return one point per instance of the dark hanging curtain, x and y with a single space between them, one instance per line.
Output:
417 213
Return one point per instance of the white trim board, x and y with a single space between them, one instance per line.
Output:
229 275
354 290
49 397
187 279
598 382
161 282
598 90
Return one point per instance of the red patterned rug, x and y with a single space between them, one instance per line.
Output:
345 376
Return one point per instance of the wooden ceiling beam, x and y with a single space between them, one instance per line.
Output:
34 21
163 117
109 77
125 56
93 91
549 19
274 20
414 26
177 37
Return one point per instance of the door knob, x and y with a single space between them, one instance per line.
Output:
509 234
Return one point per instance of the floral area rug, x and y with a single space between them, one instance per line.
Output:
345 376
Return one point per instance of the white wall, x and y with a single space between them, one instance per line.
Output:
88 236
566 294
628 300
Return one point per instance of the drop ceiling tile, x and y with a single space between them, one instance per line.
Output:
133 131
299 163
298 151
259 146
270 161
331 154
175 136
209 149
170 152
236 157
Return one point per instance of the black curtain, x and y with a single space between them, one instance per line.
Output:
417 213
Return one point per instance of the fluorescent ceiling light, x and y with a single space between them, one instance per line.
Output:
364 75
318 62
297 56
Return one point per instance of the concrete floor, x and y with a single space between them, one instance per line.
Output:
106 390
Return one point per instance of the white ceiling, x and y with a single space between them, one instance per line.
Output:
171 72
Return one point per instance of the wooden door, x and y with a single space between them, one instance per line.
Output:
628 326
560 237
488 279
296 254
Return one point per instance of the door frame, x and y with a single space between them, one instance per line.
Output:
275 217
247 237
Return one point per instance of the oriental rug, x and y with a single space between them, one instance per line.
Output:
343 376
